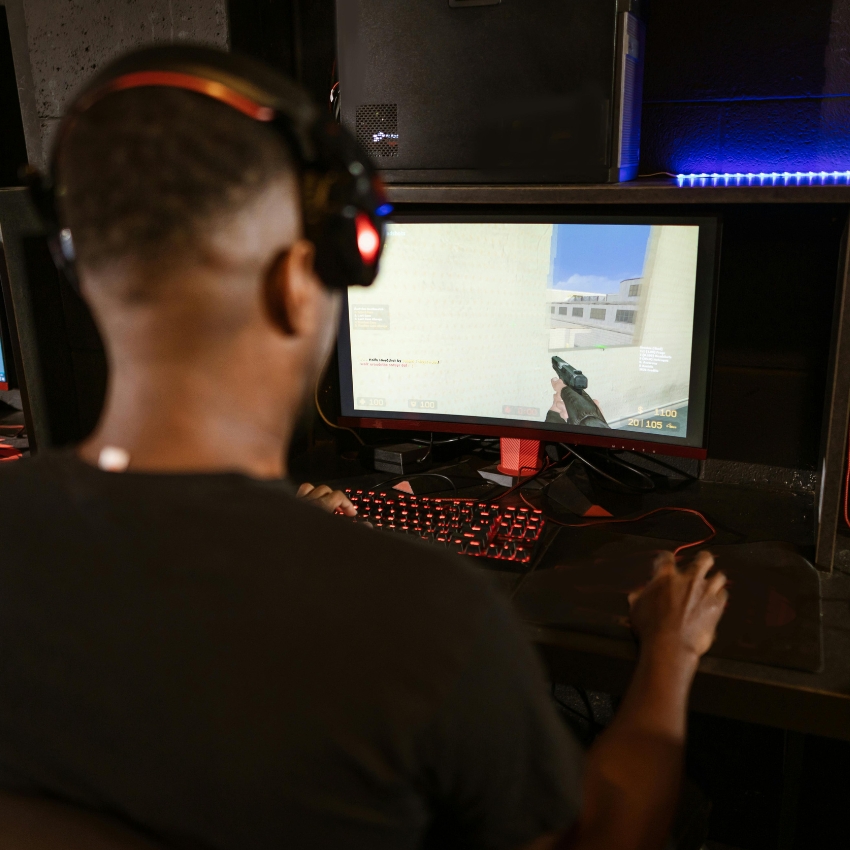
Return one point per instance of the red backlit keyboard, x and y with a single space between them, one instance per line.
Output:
466 526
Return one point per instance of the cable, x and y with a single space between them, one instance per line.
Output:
618 461
524 481
427 454
486 447
615 521
669 466
578 714
587 704
616 481
434 442
332 424
659 174
587 463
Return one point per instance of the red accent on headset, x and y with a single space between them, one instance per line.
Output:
189 82
368 239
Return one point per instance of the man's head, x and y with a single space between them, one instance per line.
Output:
144 174
186 218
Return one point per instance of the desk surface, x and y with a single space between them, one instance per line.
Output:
816 703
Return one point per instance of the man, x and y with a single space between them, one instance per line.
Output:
190 647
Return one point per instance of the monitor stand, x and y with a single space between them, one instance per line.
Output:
520 459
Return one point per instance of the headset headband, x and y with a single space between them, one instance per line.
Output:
177 80
343 198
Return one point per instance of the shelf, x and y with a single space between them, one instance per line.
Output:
644 191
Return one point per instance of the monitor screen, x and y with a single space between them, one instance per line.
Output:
591 330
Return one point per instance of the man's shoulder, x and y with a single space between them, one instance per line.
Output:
262 526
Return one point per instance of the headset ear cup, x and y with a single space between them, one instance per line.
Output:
344 209
42 196
338 260
59 241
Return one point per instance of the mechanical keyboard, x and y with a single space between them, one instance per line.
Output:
466 526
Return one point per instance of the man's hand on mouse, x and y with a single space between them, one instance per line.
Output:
333 501
679 609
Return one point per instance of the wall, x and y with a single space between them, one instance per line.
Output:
298 37
68 40
747 85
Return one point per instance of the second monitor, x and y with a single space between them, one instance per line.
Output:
593 330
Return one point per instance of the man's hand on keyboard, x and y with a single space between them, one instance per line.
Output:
333 501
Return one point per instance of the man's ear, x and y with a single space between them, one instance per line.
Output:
292 289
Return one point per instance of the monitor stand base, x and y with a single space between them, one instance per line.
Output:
520 459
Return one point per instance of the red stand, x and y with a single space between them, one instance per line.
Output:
520 458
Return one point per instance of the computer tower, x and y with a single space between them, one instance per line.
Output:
503 91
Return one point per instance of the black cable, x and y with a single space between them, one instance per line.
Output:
596 469
619 462
669 466
573 711
427 455
523 481
587 704
486 446
434 442
612 458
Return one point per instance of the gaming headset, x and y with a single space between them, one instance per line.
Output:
343 202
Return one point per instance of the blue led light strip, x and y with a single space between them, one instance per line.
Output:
767 178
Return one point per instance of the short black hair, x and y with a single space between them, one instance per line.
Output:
142 173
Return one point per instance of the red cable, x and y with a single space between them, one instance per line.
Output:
635 519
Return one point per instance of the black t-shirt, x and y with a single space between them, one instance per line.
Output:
223 664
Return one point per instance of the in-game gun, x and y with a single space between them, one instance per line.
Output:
575 379
581 408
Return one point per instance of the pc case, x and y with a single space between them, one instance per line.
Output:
501 91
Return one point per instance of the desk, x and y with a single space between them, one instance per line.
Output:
812 703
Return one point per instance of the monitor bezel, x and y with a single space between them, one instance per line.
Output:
693 446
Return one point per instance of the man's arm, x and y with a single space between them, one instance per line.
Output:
634 769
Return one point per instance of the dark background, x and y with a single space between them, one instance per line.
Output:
755 85
13 153
730 85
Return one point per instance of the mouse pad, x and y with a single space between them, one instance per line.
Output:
773 616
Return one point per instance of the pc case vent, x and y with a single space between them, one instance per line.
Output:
632 94
377 128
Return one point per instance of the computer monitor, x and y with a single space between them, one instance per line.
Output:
478 323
